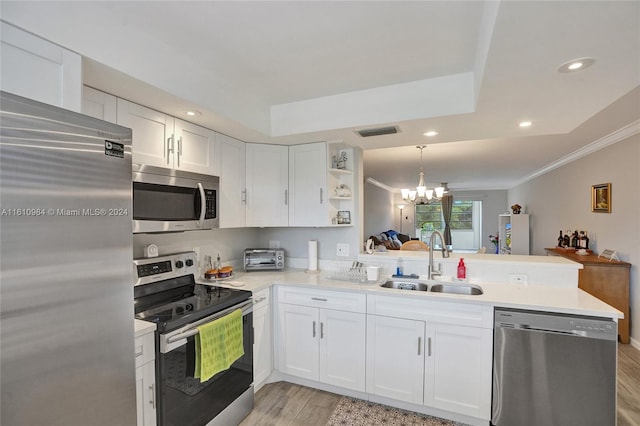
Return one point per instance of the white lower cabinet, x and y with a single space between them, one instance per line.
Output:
458 369
145 380
262 346
320 343
395 361
437 354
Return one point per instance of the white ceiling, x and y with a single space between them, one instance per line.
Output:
303 71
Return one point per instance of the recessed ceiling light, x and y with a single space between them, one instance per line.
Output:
430 133
576 65
525 124
193 113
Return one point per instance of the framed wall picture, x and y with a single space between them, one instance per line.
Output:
601 198
344 217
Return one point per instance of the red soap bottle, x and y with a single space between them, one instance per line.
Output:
462 270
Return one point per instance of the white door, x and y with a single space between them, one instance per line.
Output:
262 359
38 69
267 185
308 185
342 349
232 181
153 143
146 394
99 105
194 148
458 377
395 358
298 353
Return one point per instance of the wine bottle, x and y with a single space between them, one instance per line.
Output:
586 240
560 239
574 240
566 240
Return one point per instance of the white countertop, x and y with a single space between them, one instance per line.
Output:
545 298
143 327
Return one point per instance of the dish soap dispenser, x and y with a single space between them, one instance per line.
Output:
400 267
462 269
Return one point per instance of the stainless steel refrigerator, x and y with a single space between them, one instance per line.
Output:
66 283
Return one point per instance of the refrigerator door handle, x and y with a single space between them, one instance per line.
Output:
203 205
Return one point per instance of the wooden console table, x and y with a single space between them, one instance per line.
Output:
604 279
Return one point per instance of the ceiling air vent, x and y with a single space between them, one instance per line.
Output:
378 131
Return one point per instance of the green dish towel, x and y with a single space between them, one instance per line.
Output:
218 345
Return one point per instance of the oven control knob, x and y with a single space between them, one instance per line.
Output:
179 264
189 262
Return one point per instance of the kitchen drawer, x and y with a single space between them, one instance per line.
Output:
464 314
261 298
327 299
145 349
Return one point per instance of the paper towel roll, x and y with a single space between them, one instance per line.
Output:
313 256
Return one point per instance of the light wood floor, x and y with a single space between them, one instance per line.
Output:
285 404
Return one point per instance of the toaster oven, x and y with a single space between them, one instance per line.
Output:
257 259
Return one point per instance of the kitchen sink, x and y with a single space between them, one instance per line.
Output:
469 289
405 285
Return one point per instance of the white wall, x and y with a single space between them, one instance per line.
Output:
561 199
380 212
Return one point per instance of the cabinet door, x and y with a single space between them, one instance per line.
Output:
194 148
153 143
146 394
99 105
342 349
232 181
267 185
298 341
395 358
38 69
262 359
458 369
308 185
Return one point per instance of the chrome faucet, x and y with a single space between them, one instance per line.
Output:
445 253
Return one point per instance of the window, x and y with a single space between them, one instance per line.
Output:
466 220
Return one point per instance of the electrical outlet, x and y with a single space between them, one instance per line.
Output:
342 250
274 244
517 278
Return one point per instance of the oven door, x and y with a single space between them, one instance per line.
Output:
182 399
167 200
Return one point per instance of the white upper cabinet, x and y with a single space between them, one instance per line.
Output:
194 148
232 181
267 185
99 104
153 143
38 69
308 184
164 141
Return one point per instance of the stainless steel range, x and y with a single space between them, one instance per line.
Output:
165 293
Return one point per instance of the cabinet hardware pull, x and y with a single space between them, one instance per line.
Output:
321 198
322 330
153 396
243 196
179 150
139 353
314 329
319 299
419 345
262 299
169 148
286 197
429 346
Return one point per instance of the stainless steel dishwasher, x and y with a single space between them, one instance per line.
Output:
553 369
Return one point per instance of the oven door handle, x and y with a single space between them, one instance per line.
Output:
177 338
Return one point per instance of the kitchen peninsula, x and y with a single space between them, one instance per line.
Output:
339 336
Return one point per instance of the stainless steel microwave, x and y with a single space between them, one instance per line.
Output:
168 200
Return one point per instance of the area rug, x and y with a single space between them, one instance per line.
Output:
356 412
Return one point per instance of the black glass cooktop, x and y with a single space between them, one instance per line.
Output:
179 305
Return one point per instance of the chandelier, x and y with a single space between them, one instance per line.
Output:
422 194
